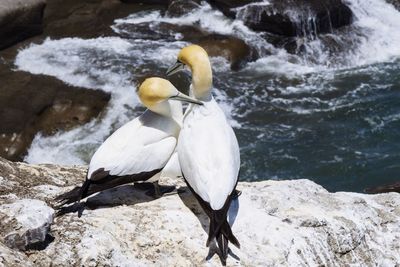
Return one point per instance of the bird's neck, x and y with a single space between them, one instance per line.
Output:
176 111
202 80
170 108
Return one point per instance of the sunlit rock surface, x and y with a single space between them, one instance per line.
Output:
27 222
279 223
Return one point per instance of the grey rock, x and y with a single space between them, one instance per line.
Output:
25 223
278 223
20 19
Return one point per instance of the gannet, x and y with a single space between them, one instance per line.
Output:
140 149
208 150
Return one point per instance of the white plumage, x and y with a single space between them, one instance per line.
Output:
142 145
209 153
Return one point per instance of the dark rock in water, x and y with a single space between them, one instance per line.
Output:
35 103
65 18
235 50
20 19
147 2
289 17
384 189
177 8
395 3
227 6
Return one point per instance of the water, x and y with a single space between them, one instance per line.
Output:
332 117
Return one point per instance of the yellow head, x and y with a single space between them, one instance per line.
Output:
193 55
196 58
155 91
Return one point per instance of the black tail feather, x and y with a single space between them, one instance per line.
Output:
74 195
100 180
220 226
223 248
227 231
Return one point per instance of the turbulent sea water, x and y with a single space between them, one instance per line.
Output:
332 117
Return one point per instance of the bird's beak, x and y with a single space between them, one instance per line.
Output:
177 67
185 98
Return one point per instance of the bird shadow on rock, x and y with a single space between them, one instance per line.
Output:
129 195
193 205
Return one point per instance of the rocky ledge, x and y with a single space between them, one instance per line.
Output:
289 223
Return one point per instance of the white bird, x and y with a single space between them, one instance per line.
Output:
140 149
208 150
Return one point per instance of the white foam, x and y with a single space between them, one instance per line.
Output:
380 25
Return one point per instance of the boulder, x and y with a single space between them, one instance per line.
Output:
177 8
278 223
289 17
147 2
36 103
233 49
25 223
20 19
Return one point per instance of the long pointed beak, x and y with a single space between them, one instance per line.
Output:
185 98
177 67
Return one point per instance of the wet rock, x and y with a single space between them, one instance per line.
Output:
293 223
35 103
233 49
147 2
65 18
228 6
395 3
25 223
20 19
384 188
177 8
289 17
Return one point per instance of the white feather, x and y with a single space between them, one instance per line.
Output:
209 153
144 144
172 169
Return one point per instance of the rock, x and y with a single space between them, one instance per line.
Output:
384 188
20 19
177 8
228 6
35 103
289 17
233 49
395 3
289 223
25 223
147 2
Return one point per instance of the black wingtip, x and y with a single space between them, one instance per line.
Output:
72 196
